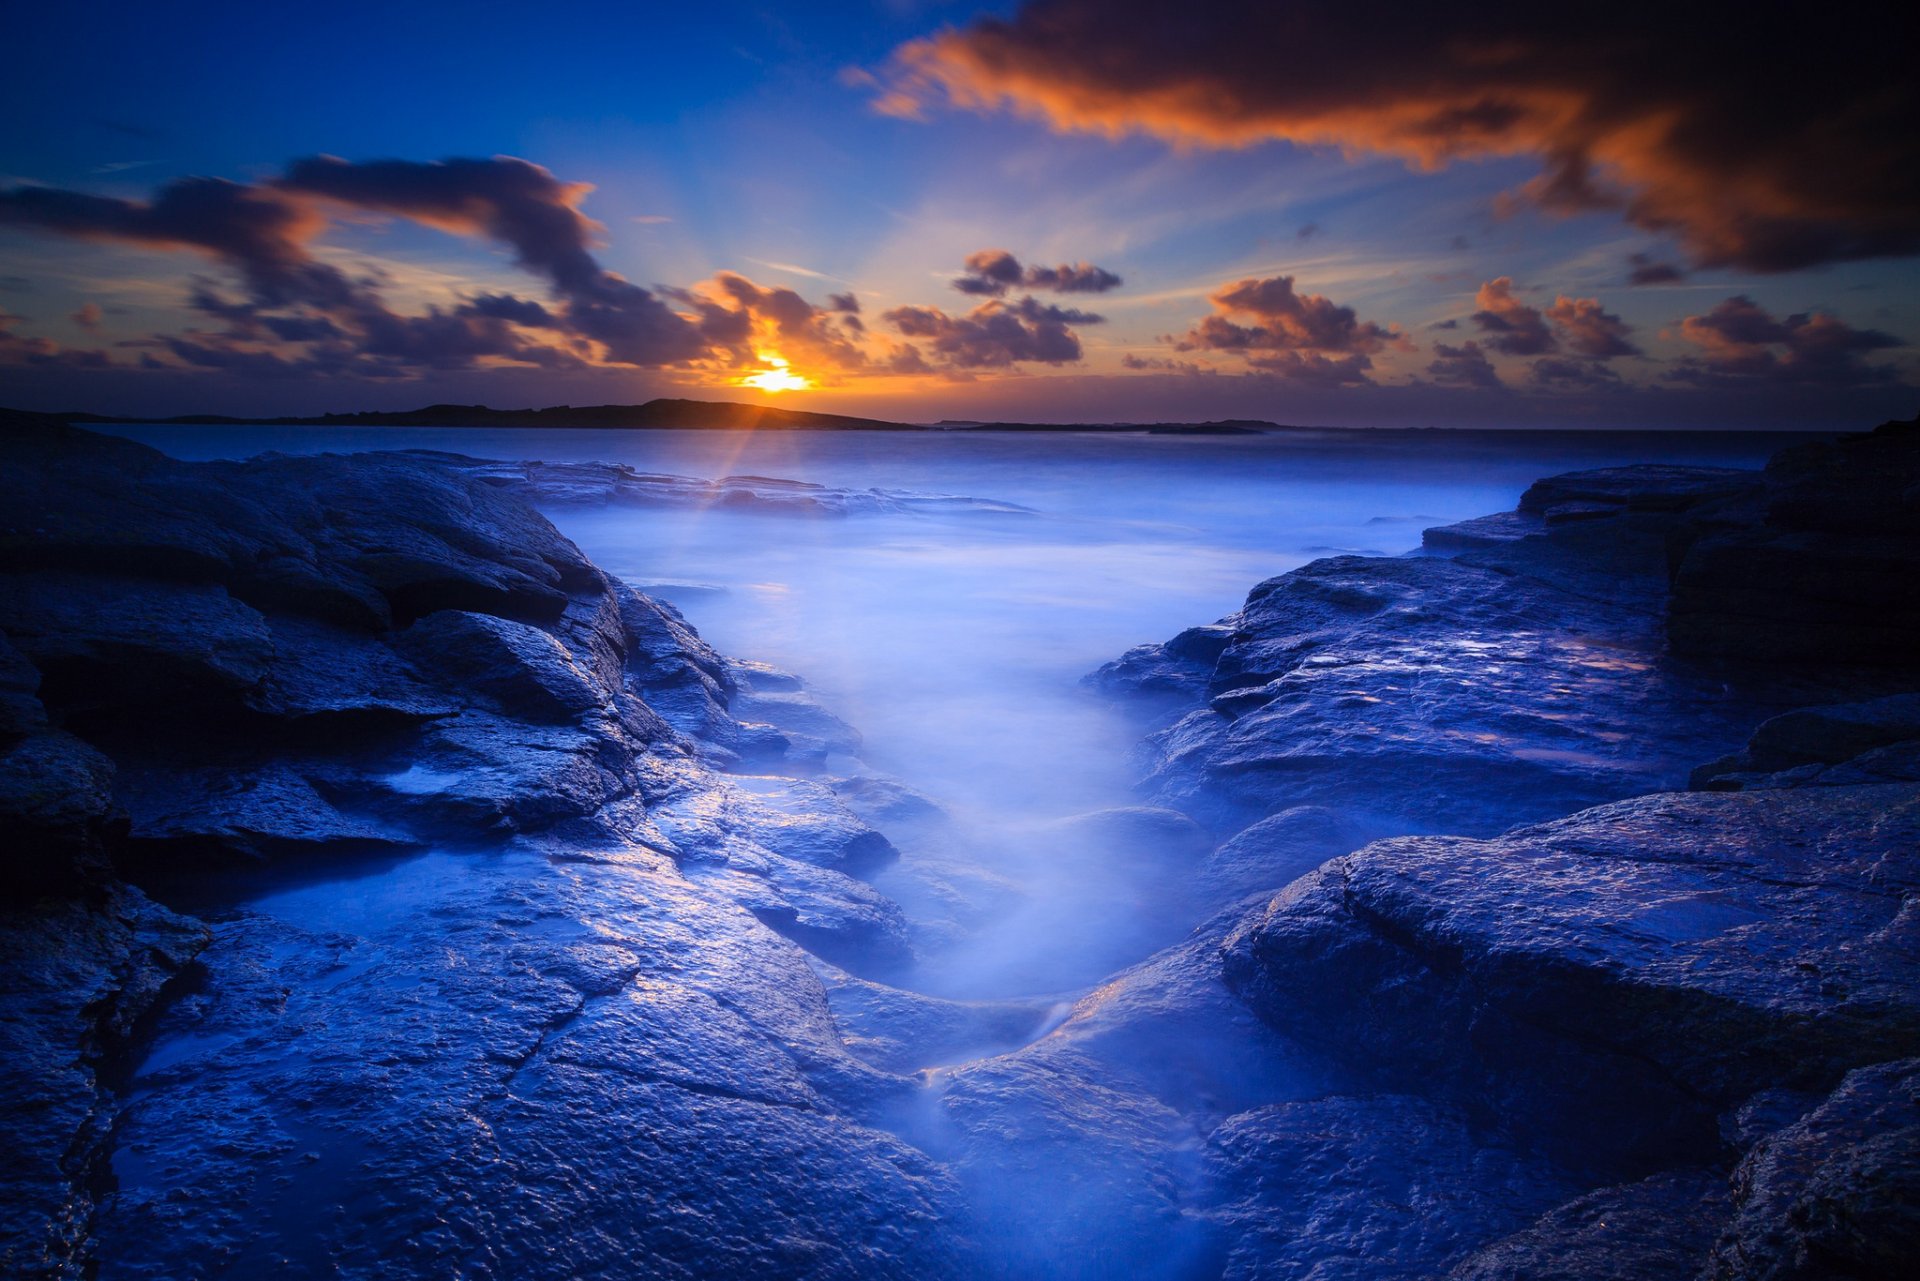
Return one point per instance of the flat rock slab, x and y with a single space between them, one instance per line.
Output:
1676 954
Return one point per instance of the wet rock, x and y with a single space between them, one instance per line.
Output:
280 662
1360 1188
57 815
502 1063
1677 954
21 711
1179 668
1837 1193
262 814
526 670
76 978
598 484
1867 742
1658 1229
1431 694
1275 851
903 1031
1817 569
1642 487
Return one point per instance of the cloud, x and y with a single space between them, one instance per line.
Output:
1463 366
1517 329
259 232
1275 328
265 234
1649 271
993 272
87 317
994 335
1581 324
1779 141
17 350
1561 374
749 318
1740 343
1590 329
519 204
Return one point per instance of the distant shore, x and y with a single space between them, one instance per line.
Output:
725 415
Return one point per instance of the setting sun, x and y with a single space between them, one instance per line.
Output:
777 378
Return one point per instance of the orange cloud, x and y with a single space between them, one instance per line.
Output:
1780 141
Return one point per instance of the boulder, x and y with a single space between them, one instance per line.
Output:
1835 1194
1676 954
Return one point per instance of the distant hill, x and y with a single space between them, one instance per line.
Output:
653 414
721 414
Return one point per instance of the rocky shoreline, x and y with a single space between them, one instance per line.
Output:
1555 890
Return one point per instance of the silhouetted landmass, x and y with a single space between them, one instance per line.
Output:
1226 427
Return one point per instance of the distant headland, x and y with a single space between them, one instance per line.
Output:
659 414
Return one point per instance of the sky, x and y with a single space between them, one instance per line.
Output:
1067 210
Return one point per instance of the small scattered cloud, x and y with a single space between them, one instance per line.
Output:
1739 342
992 273
1463 366
994 335
1644 269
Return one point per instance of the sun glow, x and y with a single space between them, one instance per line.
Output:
777 377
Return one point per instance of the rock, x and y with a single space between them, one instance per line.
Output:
1645 487
1678 953
1818 569
1837 1193
525 670
1180 668
1506 697
901 1031
402 1064
1362 1188
76 978
1800 747
1275 851
598 484
1658 1229
57 814
498 1063
21 711
261 814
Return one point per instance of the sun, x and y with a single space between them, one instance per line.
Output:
776 378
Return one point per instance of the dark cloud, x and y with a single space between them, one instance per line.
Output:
1562 374
1580 324
1649 271
521 205
264 233
994 335
1589 329
1463 366
1516 329
18 350
521 311
991 273
1275 328
261 233
1740 342
1769 140
1307 232
846 302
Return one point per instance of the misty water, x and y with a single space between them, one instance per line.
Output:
953 636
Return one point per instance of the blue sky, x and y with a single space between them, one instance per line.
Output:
744 139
